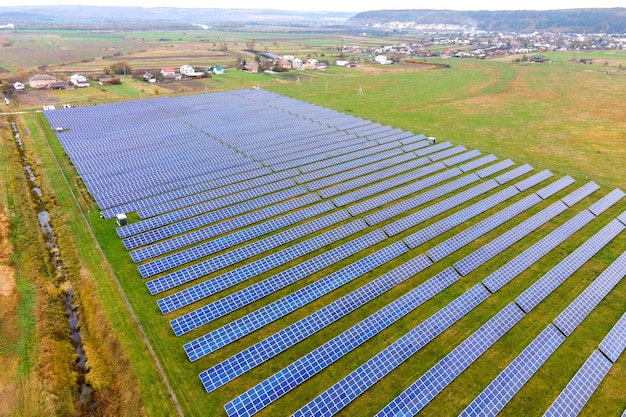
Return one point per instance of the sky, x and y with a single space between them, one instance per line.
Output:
350 5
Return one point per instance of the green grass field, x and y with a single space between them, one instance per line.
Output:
535 114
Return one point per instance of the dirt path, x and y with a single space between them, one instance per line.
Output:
7 273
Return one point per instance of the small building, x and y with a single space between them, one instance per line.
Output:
168 72
41 81
149 77
284 64
59 85
219 70
79 80
342 62
189 71
252 67
18 86
297 64
382 60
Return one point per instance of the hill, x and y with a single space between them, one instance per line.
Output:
573 21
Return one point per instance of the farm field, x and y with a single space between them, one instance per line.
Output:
534 398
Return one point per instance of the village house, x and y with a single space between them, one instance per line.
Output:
41 81
59 85
79 80
297 64
18 86
189 71
168 72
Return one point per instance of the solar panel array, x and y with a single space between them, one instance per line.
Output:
500 391
573 398
422 391
247 219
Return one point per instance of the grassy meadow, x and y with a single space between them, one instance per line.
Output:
564 116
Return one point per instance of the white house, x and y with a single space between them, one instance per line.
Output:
188 71
18 86
168 72
342 62
79 80
382 59
297 64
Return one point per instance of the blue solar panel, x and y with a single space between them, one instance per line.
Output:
250 269
581 193
375 176
376 202
438 208
387 184
446 153
615 342
359 380
533 180
495 168
415 145
607 201
260 352
576 312
466 156
521 262
555 277
357 172
312 363
474 232
432 149
224 242
508 238
553 188
280 308
422 391
420 199
622 218
179 242
435 229
478 163
241 298
576 394
514 173
504 387
181 221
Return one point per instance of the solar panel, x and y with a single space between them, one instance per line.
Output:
415 145
435 229
179 242
576 312
422 391
514 173
181 221
576 394
508 238
474 232
434 148
581 193
260 352
248 295
446 153
553 188
492 169
622 218
607 201
429 212
555 277
361 379
318 359
387 184
223 242
246 271
373 177
466 156
521 262
420 199
251 322
504 387
615 342
533 180
404 191
478 163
